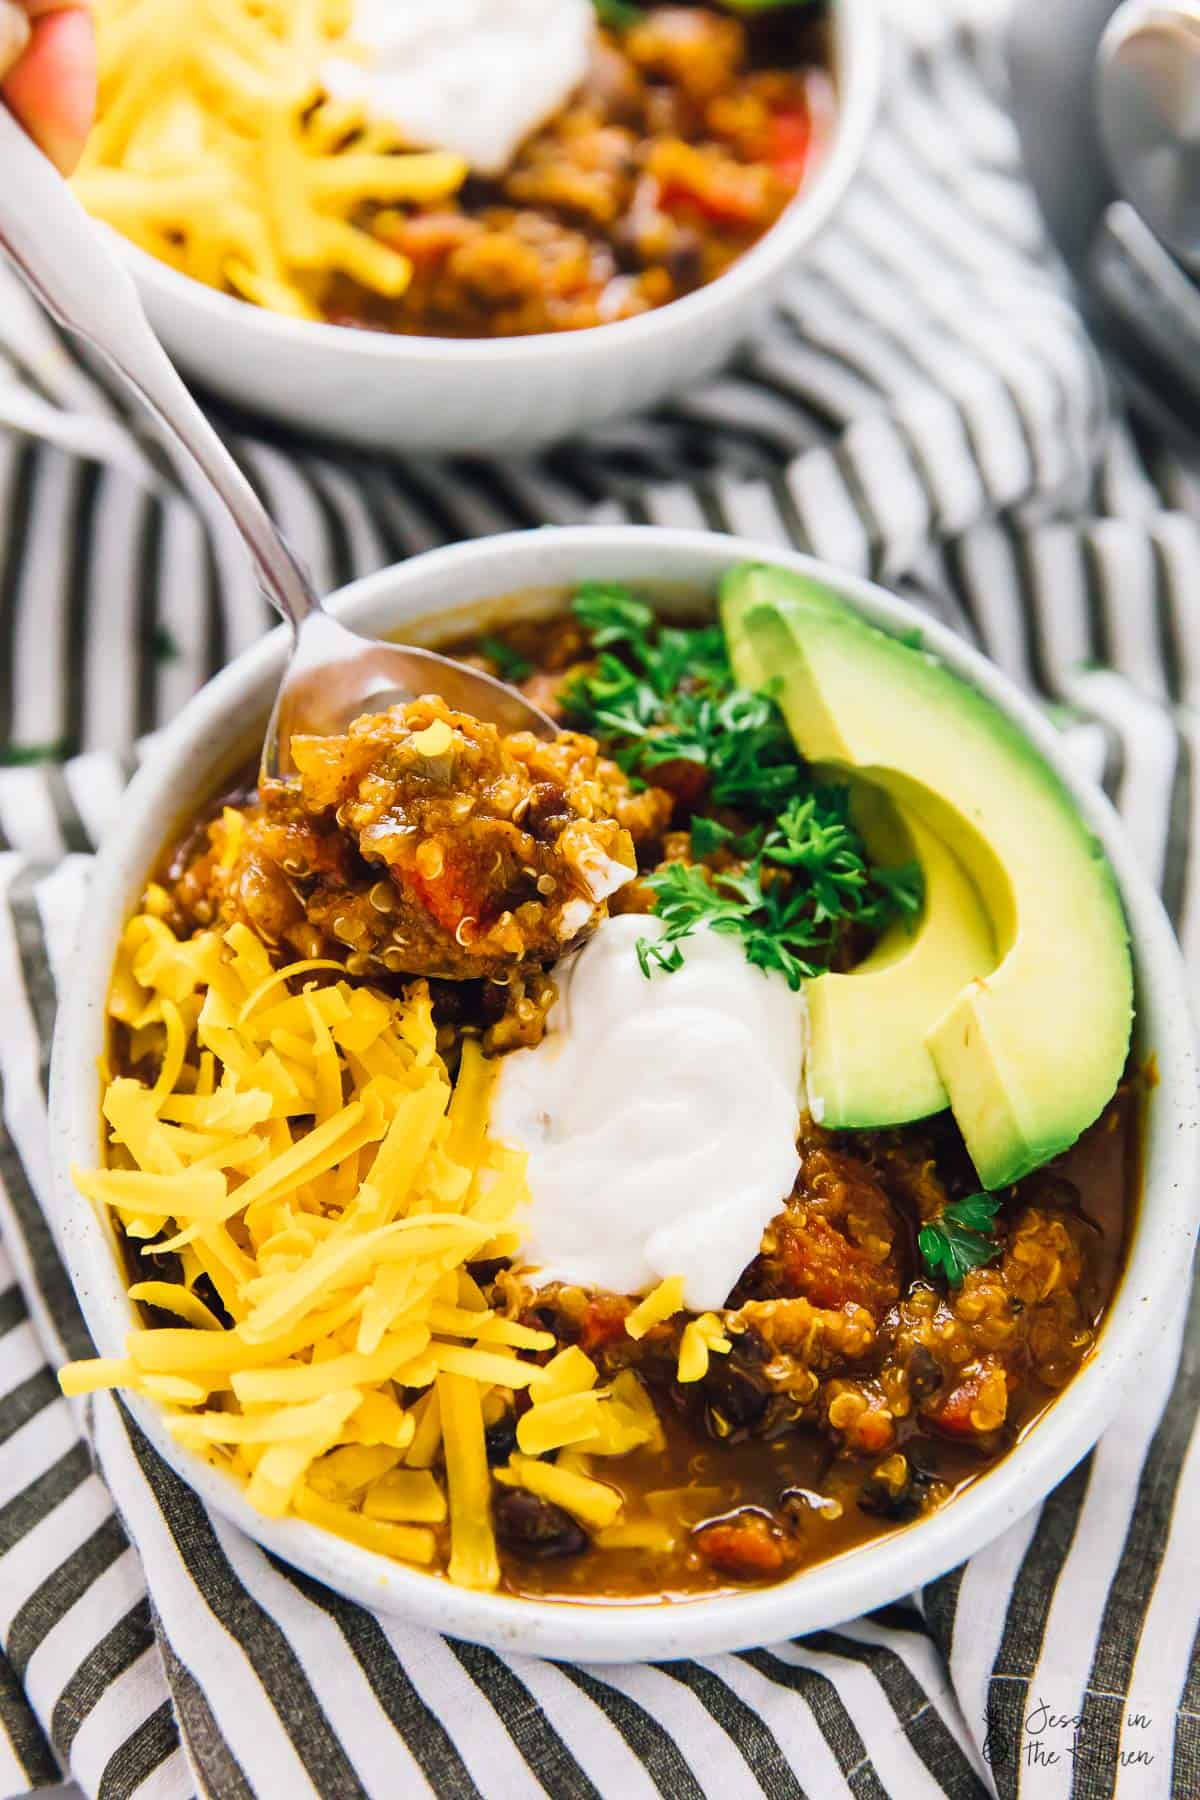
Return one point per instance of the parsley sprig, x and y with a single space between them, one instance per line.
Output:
742 741
815 840
646 684
791 924
776 928
657 696
797 874
962 1238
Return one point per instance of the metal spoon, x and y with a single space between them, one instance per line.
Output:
333 673
1148 95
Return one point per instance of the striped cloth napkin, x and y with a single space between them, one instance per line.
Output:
925 407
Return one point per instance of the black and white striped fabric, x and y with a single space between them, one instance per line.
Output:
925 408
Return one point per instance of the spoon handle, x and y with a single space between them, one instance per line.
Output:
65 260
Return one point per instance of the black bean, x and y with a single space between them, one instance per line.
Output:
204 1290
925 1375
750 1346
1057 1191
500 1439
880 1501
547 802
162 1265
535 1528
731 1392
484 1273
685 260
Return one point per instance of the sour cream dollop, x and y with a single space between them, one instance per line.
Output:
473 76
660 1116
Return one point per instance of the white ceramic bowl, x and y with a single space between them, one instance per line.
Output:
483 397
433 599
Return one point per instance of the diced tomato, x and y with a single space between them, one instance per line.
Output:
953 1415
542 688
449 897
744 1547
874 1433
817 1261
603 1322
703 181
790 145
724 202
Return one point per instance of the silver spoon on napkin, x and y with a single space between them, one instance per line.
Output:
1148 96
333 673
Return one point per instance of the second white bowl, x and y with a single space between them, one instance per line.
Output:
506 394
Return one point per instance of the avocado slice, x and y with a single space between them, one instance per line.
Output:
867 1064
1030 1053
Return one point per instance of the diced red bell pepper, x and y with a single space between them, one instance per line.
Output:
790 145
727 204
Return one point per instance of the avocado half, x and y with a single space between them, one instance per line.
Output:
1030 1048
866 1064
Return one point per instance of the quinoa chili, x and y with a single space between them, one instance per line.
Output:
692 132
869 1378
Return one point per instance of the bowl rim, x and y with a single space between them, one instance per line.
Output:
859 46
848 1584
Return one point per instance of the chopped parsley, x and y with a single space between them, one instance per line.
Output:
798 874
509 664
815 840
775 925
708 835
789 925
651 691
664 695
962 1238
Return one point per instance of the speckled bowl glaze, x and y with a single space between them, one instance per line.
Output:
433 599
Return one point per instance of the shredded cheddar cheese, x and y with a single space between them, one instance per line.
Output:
591 1502
217 150
638 1534
473 1561
299 1146
660 1304
702 1337
571 1419
570 1412
407 1543
572 1371
406 1496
